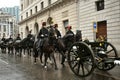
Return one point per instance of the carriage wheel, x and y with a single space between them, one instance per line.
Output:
107 62
81 59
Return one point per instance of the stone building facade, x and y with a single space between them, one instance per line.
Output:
105 14
8 25
93 17
34 12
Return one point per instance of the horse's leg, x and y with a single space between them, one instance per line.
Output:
24 51
41 54
63 58
12 50
30 51
20 51
45 60
52 54
35 56
8 50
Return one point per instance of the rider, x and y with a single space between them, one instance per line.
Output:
69 37
18 37
10 38
3 38
57 32
43 33
29 35
78 35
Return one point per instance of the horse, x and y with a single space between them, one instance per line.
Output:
10 46
47 49
27 44
18 47
62 47
3 45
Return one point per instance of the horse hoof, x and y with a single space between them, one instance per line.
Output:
66 60
63 65
45 67
50 62
42 64
56 68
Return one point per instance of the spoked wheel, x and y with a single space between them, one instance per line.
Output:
81 59
107 62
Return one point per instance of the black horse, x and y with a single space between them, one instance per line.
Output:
63 44
10 46
48 50
27 44
18 47
3 45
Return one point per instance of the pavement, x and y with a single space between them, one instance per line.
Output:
23 68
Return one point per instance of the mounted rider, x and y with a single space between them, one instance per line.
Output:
43 33
57 32
69 36
3 39
10 39
29 35
18 37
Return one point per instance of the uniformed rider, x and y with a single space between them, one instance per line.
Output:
69 37
57 32
29 35
43 33
10 38
3 39
18 37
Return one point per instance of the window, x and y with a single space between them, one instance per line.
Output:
26 14
21 17
42 5
4 28
21 7
100 5
49 2
0 28
65 23
31 12
35 8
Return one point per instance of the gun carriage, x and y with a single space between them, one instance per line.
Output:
84 57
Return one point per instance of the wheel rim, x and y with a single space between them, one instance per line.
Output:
80 59
111 53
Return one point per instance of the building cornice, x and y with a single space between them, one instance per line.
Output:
41 11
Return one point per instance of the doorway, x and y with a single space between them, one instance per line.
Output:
101 29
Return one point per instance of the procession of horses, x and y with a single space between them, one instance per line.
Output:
82 56
30 46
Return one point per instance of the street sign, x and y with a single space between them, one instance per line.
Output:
94 30
94 27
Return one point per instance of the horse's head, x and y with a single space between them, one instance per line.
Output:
47 48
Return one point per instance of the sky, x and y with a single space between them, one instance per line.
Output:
9 3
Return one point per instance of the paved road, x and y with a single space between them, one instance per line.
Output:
15 68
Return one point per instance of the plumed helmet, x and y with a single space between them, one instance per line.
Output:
30 31
56 25
69 27
44 24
